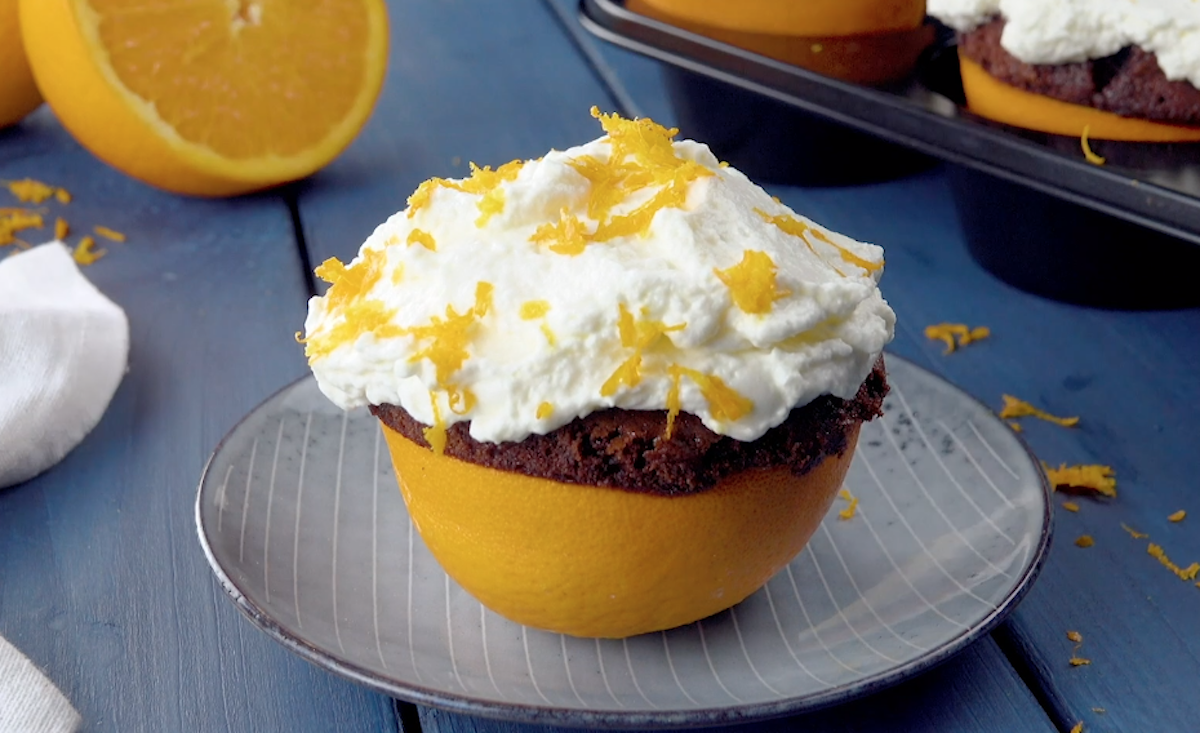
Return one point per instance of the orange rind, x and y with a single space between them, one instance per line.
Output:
604 562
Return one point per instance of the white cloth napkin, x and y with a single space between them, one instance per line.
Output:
30 703
63 350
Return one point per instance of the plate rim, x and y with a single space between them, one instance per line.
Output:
466 704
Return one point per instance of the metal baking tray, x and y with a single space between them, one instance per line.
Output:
1149 192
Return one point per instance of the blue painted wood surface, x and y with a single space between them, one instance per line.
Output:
1130 376
102 582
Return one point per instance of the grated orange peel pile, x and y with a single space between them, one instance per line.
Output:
1083 479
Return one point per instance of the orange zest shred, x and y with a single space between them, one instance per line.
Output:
110 234
1177 516
484 182
751 282
1079 661
1133 532
15 220
1088 155
1075 636
724 402
1188 573
1077 728
955 335
446 339
1014 407
639 336
28 190
532 309
1070 506
566 237
85 252
1084 479
1016 426
1084 540
797 228
435 434
545 410
851 506
353 312
61 229
423 238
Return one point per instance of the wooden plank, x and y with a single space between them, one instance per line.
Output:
102 581
959 695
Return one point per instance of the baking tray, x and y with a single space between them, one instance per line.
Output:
1145 199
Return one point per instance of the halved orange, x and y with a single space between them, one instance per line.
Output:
209 97
18 93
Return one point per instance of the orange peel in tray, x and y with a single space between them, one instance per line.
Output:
209 97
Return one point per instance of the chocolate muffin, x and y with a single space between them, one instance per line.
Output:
620 385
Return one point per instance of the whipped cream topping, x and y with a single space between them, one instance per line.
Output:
1068 31
631 272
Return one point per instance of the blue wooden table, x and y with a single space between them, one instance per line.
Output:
104 586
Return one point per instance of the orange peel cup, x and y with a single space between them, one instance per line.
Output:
603 562
861 41
989 97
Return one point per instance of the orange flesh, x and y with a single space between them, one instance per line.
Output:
604 562
796 17
989 97
231 74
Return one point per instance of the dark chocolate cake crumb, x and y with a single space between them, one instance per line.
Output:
1128 83
627 449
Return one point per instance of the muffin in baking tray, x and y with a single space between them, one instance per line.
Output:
620 384
1122 69
863 41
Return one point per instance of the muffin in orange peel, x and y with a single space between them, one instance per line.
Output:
863 41
620 384
1110 69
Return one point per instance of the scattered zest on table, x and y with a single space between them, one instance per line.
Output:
1084 540
13 220
1016 426
109 233
28 190
1085 479
955 335
84 253
1090 156
1014 408
1075 636
1188 573
1070 506
1177 516
851 507
1078 727
1133 532
1079 662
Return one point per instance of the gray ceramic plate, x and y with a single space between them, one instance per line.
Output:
301 519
